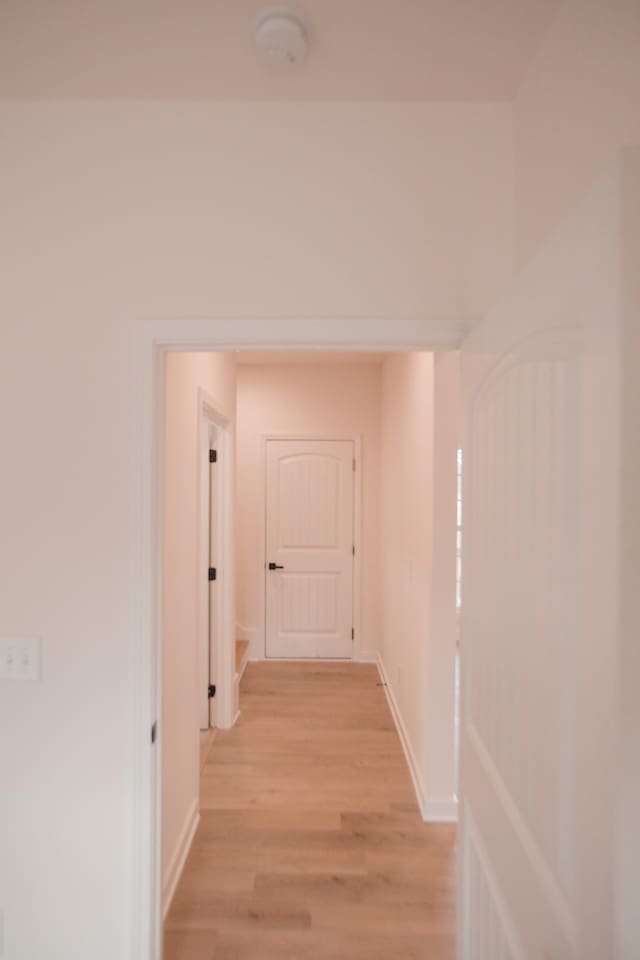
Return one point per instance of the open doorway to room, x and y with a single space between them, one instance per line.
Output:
197 578
342 468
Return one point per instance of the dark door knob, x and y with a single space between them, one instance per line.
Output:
275 566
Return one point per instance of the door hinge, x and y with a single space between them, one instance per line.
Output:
213 456
154 732
213 573
353 633
353 550
354 464
212 691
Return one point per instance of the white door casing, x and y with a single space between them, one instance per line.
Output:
208 612
539 618
310 538
214 564
153 339
206 439
216 619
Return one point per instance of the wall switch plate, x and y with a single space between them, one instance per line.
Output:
20 658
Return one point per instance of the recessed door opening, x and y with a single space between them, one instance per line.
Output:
313 570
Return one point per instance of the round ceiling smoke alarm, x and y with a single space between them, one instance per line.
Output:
280 38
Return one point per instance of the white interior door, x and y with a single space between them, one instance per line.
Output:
309 540
539 625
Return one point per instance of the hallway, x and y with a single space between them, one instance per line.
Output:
310 843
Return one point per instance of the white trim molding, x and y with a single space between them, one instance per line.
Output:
418 784
253 638
441 810
243 633
369 656
179 856
152 339
222 651
432 809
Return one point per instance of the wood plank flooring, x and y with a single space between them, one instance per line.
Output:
310 844
206 739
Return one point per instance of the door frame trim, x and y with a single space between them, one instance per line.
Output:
356 439
217 638
152 338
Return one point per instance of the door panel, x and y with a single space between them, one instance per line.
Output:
540 521
309 526
214 537
304 481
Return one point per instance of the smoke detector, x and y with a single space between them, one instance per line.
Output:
280 38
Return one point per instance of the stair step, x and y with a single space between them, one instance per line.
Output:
241 649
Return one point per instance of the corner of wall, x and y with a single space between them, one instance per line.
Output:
253 637
177 860
414 769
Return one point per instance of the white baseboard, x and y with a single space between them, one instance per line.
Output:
432 809
256 649
309 659
412 763
244 633
236 699
251 635
180 854
368 656
441 810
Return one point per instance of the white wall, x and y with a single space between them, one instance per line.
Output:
113 213
420 390
546 808
441 768
315 399
179 729
627 876
578 105
407 535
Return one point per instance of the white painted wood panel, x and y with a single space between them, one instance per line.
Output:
541 528
309 534
493 935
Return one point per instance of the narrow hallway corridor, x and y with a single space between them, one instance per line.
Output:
310 843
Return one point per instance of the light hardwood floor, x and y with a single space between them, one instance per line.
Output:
206 740
310 845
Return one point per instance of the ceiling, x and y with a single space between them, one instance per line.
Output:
244 357
360 49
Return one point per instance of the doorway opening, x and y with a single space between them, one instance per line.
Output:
223 674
